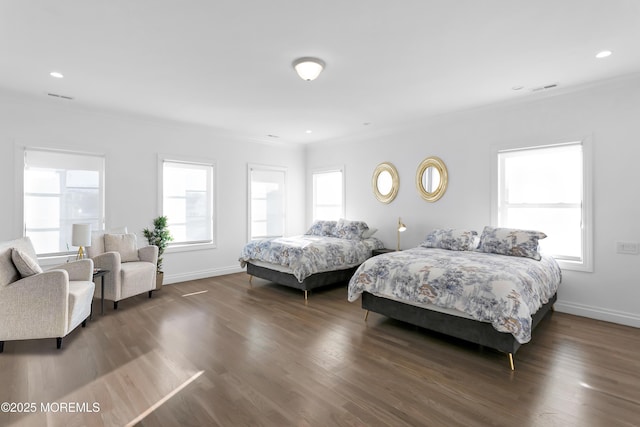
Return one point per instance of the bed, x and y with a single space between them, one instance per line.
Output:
328 253
493 293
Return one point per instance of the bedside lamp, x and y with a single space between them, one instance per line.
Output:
401 228
81 237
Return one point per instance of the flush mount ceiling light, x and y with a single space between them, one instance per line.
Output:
56 74
308 68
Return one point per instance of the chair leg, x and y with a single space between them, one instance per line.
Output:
115 305
150 292
58 343
1 346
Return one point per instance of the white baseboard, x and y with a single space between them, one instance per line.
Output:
621 317
202 274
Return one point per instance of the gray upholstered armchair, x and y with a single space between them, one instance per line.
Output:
36 304
132 271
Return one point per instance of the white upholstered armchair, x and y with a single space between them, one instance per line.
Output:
36 304
132 271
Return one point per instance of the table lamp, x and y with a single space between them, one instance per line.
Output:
81 237
401 228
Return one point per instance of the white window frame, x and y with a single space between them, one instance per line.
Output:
586 262
312 180
188 246
21 152
258 167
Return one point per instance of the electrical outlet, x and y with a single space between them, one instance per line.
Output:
627 248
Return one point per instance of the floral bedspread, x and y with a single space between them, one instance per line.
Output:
307 254
503 290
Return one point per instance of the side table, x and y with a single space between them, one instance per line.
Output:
376 252
100 272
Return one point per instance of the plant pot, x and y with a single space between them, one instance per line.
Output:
159 279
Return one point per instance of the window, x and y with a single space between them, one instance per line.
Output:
266 202
328 194
544 188
60 189
187 201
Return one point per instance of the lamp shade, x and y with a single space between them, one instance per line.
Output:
308 68
81 235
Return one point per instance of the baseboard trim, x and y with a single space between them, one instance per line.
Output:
202 274
621 317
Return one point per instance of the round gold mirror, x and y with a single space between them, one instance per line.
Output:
385 182
432 178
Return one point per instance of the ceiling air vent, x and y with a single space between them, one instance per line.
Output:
545 87
55 95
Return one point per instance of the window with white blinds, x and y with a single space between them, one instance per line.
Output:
267 201
60 189
544 188
328 194
188 201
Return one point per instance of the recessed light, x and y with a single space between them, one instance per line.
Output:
308 131
56 74
603 54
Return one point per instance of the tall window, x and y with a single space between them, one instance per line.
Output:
187 201
543 188
266 202
328 194
60 189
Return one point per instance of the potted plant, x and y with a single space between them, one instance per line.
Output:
160 237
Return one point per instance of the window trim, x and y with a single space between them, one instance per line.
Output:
257 166
196 246
586 265
328 169
19 210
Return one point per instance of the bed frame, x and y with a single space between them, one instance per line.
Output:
467 329
287 279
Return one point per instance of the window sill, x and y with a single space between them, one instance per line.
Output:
575 266
190 247
54 260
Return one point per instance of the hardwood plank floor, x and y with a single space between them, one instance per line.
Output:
217 352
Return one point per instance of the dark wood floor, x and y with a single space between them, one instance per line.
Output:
216 352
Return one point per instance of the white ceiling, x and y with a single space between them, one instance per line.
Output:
227 63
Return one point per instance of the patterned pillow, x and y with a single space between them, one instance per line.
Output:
452 239
322 228
25 265
124 244
511 241
350 229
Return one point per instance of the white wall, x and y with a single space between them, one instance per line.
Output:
130 145
608 113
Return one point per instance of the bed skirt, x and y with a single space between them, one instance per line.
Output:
467 329
314 281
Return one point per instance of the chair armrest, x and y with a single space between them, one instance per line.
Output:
149 254
43 299
78 270
108 261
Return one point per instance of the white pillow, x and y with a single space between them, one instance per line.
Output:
25 265
369 232
124 244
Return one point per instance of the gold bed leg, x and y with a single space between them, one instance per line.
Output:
305 295
511 361
250 279
366 315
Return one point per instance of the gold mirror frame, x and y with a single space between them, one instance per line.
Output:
438 165
395 182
